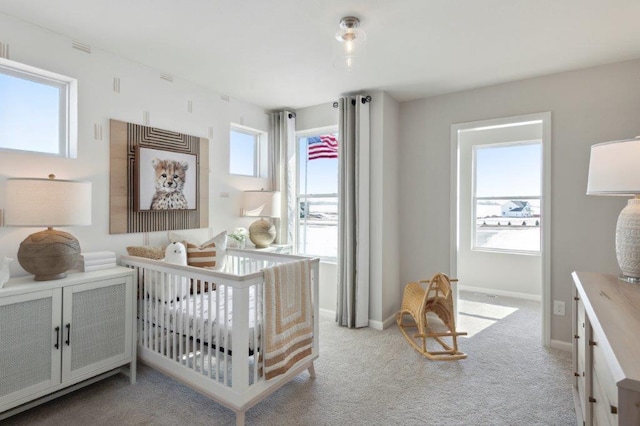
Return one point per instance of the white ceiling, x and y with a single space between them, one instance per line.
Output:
277 53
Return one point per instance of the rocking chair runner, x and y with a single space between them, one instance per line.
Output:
436 298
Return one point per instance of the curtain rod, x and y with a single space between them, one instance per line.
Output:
364 100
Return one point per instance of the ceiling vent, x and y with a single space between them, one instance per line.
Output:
81 46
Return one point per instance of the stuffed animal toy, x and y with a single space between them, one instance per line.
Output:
173 288
176 253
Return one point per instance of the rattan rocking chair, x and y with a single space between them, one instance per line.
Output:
436 298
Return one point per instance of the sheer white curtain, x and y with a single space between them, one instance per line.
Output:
353 205
282 143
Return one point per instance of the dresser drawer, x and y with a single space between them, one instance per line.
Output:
603 372
605 391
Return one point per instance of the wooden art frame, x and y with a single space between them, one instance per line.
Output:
127 141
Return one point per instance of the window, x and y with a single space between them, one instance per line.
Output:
244 151
38 110
317 195
507 185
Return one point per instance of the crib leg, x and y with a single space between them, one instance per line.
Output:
312 371
239 418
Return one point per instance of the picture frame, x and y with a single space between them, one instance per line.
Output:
165 180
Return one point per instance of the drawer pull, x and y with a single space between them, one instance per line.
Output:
576 374
68 341
575 336
57 345
592 343
592 399
614 410
576 298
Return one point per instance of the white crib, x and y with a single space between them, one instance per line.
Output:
184 338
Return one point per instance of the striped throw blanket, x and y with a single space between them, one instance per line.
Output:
288 316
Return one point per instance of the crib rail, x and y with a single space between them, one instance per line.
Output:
204 327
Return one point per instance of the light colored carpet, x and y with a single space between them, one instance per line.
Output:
366 377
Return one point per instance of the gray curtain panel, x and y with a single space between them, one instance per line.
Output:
353 204
282 140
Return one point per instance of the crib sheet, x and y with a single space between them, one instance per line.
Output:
191 316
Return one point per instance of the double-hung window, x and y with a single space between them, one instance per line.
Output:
506 197
317 194
38 110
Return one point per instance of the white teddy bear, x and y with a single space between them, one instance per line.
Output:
176 253
175 287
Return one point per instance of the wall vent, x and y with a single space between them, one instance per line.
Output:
210 132
145 118
167 77
81 46
97 131
4 50
224 97
116 84
189 106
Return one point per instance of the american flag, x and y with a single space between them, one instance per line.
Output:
324 146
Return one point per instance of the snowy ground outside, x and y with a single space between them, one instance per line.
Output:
493 231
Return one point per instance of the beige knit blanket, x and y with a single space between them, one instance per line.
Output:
288 316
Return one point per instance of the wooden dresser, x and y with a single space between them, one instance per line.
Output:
606 349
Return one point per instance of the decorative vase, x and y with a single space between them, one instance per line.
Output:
4 270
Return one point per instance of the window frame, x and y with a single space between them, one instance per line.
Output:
68 103
259 138
299 197
475 198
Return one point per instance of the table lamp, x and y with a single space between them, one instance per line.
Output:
613 170
261 204
32 202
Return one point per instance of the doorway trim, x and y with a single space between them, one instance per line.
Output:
545 203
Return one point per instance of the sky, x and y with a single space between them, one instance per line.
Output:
30 113
508 170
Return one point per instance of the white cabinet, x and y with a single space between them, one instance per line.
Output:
606 349
56 335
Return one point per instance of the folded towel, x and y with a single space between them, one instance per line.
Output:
288 316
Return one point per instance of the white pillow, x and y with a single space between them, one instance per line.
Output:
175 287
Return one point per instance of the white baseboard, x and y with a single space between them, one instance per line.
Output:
560 344
326 313
505 293
377 325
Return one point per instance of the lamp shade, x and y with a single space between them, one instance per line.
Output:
613 168
47 202
261 203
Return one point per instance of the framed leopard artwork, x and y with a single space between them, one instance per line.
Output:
166 180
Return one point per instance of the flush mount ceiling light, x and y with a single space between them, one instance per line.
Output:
349 52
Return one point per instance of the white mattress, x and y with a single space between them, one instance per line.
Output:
180 317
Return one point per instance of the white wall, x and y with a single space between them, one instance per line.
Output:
588 106
141 90
385 285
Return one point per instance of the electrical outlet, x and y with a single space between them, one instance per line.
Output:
558 307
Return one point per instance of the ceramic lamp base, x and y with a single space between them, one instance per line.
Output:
49 254
262 233
628 240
